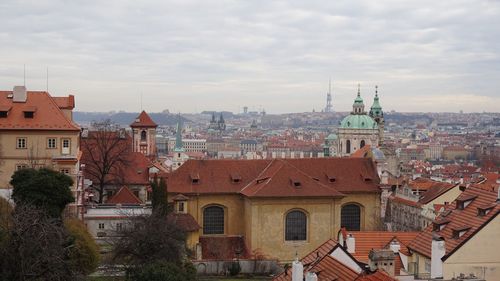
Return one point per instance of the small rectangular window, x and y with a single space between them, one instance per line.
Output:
181 207
21 166
101 225
119 226
65 171
66 143
51 143
21 143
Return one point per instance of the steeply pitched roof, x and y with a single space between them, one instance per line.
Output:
457 219
329 176
65 102
367 240
143 120
436 190
124 196
47 116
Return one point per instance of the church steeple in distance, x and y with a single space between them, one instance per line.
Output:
329 107
358 107
376 109
179 146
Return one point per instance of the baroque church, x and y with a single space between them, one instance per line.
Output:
358 129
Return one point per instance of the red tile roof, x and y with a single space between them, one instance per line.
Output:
65 102
459 218
328 176
143 120
124 196
185 222
435 190
404 201
48 115
367 240
379 275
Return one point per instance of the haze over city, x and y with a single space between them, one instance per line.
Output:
190 56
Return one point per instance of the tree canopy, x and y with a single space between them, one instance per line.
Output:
43 188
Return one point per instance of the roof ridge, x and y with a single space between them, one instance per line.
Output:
71 123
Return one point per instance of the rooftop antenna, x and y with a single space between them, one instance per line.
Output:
141 102
47 79
24 75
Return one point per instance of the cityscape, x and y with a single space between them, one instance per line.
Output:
261 167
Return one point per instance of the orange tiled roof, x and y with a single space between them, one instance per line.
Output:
47 116
65 102
435 190
367 240
185 222
468 217
124 196
143 120
362 152
379 275
335 175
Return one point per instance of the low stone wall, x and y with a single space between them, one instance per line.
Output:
221 267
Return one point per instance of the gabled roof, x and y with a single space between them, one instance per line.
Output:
468 217
436 190
143 120
124 196
329 176
65 102
48 115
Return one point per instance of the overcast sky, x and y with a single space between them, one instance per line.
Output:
189 56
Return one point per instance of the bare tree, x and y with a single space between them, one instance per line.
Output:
105 154
37 247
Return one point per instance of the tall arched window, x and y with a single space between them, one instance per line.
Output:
213 220
143 135
362 144
348 146
296 226
351 217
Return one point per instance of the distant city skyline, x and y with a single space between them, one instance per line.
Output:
191 56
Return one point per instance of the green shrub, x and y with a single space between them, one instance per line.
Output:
163 271
234 268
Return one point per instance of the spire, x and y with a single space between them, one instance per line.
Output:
358 107
359 91
179 147
376 109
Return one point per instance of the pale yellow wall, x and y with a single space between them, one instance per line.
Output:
370 210
36 150
448 196
268 225
419 260
234 211
479 255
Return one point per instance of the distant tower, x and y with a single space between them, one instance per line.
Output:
378 115
144 135
245 110
179 155
329 107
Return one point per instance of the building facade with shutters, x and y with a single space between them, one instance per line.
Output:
279 207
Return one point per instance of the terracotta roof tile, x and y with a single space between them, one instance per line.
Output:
458 218
124 196
435 190
367 240
65 102
379 275
185 222
350 175
143 120
223 247
48 115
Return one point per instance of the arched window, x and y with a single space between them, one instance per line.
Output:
348 146
351 217
213 220
362 144
296 226
143 135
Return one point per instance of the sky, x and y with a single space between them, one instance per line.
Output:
189 56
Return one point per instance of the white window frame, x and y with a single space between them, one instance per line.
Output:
22 143
51 143
100 226
65 149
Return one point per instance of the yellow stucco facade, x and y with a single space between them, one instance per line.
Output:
261 221
479 255
37 152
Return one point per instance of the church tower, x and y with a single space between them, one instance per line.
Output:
378 115
179 155
144 135
358 107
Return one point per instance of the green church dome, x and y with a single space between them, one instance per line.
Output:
358 121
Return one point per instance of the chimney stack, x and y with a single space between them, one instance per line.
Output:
297 270
438 251
351 244
19 94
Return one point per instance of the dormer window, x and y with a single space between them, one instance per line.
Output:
484 210
295 182
463 202
459 232
29 112
195 178
331 178
235 178
4 111
439 225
